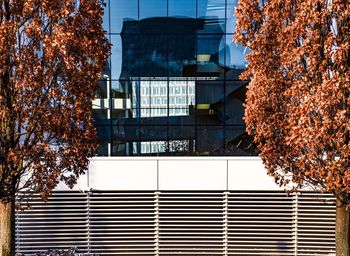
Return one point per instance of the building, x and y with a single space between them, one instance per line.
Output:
176 173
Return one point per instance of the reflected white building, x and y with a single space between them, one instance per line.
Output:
156 101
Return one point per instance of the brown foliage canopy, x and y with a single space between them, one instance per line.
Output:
51 54
298 101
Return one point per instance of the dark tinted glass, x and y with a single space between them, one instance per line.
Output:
171 85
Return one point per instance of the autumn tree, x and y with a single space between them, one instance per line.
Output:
298 99
51 55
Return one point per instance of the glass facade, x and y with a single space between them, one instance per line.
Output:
171 85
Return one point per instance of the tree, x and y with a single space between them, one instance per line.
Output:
298 104
51 55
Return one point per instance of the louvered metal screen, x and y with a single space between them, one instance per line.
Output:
191 223
62 222
122 223
316 224
260 223
180 223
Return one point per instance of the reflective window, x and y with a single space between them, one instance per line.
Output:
153 8
230 18
171 85
116 57
106 17
182 8
213 12
235 54
125 56
122 11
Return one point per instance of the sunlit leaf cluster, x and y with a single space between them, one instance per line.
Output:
298 101
51 55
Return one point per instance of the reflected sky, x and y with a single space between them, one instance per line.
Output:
213 11
141 9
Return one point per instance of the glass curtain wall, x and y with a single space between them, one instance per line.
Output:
171 85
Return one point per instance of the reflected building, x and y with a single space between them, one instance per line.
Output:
171 88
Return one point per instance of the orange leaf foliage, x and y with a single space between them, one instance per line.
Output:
298 100
51 55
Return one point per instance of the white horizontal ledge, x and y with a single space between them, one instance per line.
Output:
175 173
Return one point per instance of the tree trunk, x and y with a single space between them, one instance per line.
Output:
342 230
7 229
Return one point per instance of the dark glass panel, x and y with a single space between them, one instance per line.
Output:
184 26
235 92
123 11
102 149
104 133
209 140
153 132
210 99
209 92
153 55
118 114
154 116
153 8
181 132
211 56
182 55
119 148
182 116
99 111
182 8
124 135
238 142
126 132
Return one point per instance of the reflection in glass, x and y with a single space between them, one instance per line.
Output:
235 54
234 102
161 95
230 18
153 8
182 8
105 22
171 86
213 11
100 103
210 55
238 142
121 11
164 147
116 56
209 140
